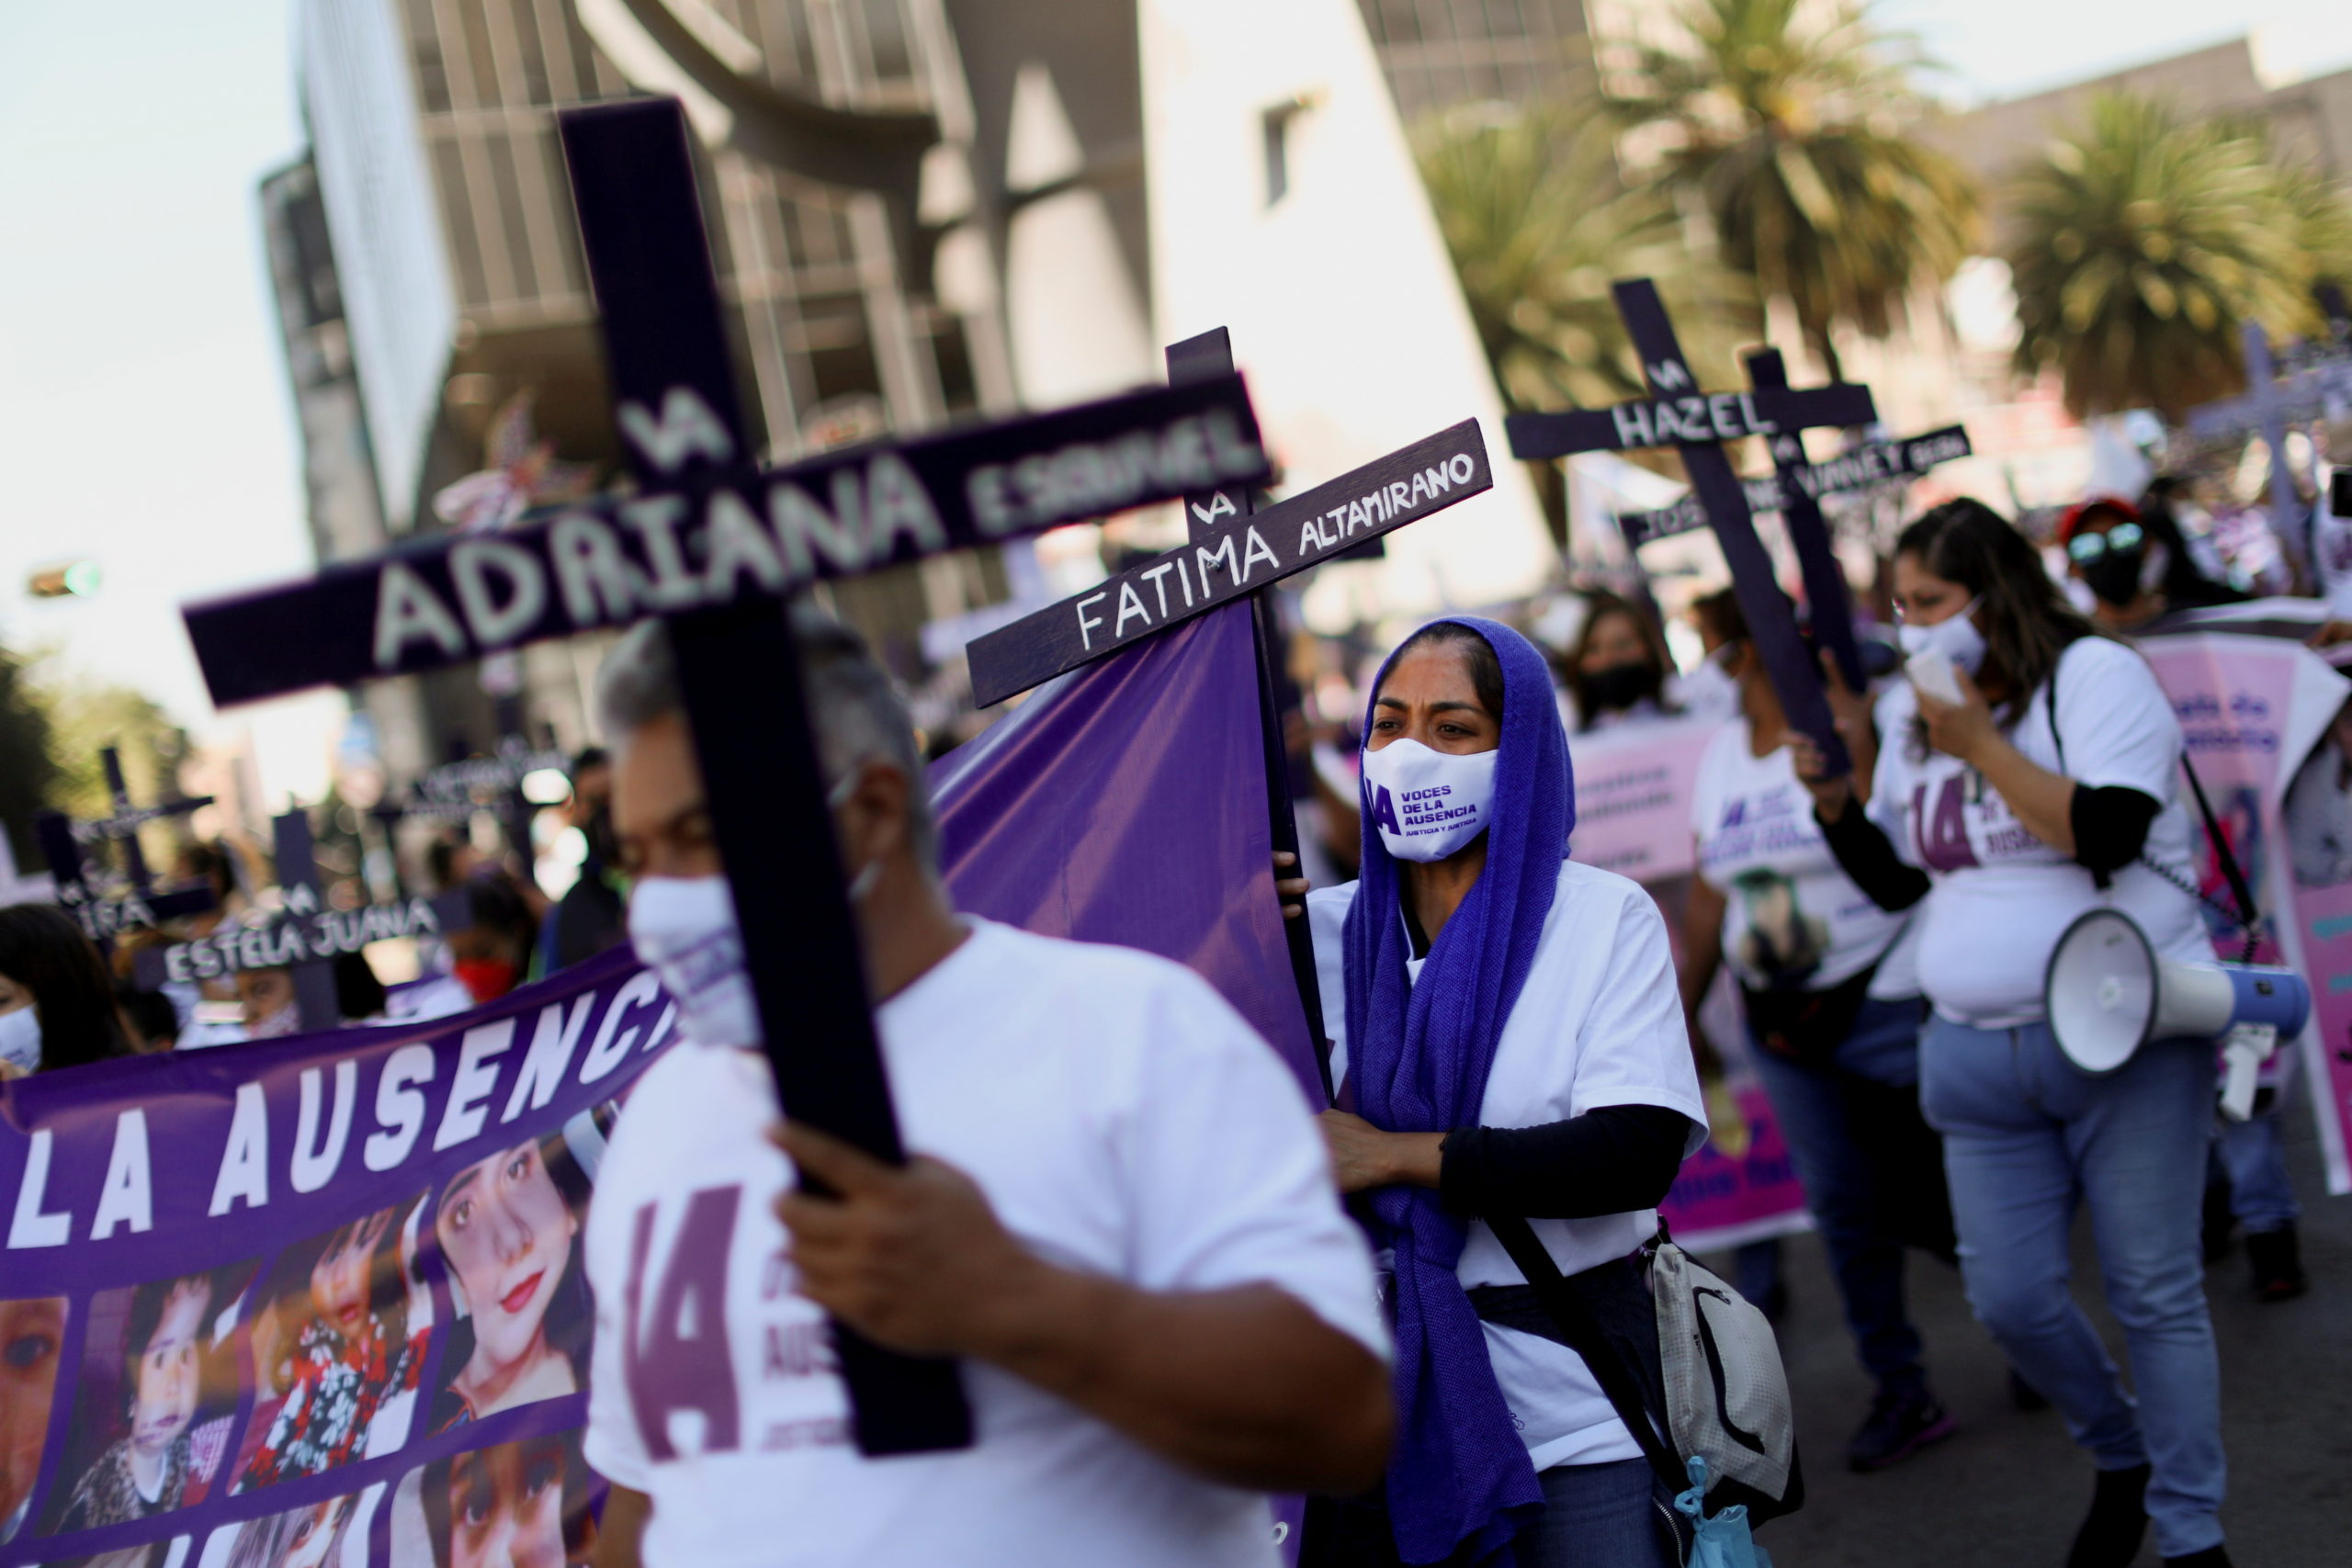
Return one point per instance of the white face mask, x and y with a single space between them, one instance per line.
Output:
20 1039
683 930
1426 804
277 1022
1954 636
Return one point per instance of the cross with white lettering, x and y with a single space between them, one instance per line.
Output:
712 545
1697 424
304 936
453 792
139 908
2320 388
1234 550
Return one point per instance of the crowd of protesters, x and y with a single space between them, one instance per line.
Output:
1523 1061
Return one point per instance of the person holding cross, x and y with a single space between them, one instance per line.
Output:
1118 1218
2042 783
1513 1068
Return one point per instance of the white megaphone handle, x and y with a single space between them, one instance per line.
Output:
2248 1046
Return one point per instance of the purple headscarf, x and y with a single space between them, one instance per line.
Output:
1418 1058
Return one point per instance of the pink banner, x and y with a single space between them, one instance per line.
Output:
1634 788
2261 715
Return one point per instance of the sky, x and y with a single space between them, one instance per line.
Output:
145 421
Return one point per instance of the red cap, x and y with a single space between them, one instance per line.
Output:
2075 513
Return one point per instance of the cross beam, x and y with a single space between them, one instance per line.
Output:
62 841
1239 553
1851 472
1696 424
706 534
2322 381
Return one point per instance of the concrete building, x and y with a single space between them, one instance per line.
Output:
2310 118
430 234
1438 53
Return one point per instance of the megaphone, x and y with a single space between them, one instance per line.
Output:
2108 994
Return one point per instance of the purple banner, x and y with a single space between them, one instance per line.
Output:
315 1301
1127 803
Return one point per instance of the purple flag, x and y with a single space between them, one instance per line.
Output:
1127 803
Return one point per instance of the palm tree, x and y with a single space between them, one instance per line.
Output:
1539 223
2138 246
1793 124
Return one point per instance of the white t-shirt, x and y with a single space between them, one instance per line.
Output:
1793 919
1598 1023
2001 898
1120 1117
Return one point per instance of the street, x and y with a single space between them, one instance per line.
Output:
2008 1489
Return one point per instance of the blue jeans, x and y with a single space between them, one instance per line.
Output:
1597 1515
2028 1137
2254 1152
1862 1155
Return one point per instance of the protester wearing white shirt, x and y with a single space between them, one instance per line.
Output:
1506 1023
1831 997
2047 790
1118 1218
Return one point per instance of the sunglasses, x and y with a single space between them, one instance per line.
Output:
2085 548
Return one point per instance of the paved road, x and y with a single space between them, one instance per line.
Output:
2008 1489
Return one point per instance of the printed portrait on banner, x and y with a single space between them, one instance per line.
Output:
158 1394
510 1229
286 1302
339 1335
329 1533
32 1338
532 1503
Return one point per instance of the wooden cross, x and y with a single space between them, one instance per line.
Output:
713 545
448 794
1856 470
305 936
2317 388
1233 550
102 917
1697 423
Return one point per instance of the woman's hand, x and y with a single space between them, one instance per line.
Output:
1292 890
1960 729
1832 793
1364 1156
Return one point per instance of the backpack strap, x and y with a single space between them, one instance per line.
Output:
1583 1333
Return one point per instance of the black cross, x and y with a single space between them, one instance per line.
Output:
712 545
305 936
62 839
2317 387
1232 551
1696 424
1827 596
448 794
1856 470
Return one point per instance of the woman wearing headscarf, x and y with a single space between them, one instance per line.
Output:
1509 1043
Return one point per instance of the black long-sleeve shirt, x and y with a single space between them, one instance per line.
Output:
2111 823
1610 1160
